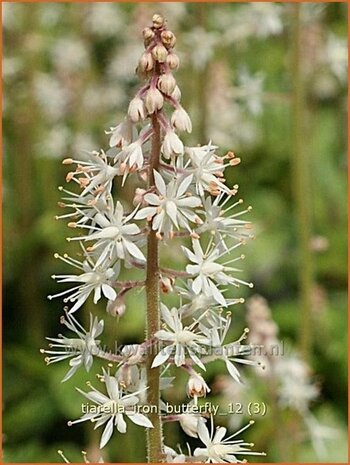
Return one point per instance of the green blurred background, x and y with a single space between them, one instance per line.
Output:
68 74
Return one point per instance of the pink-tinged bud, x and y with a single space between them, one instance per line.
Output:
196 386
181 121
158 21
172 145
153 100
146 62
148 35
166 284
136 110
116 307
168 39
172 61
159 53
176 95
166 83
138 197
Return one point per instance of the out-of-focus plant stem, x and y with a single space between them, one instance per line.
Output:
202 82
154 435
302 187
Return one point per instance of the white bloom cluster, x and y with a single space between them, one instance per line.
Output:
185 195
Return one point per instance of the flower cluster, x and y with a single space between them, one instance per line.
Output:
183 195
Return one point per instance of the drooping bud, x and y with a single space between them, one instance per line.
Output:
180 120
158 21
166 284
146 62
166 83
172 61
176 95
172 145
168 39
153 100
160 53
136 110
138 197
196 386
116 307
148 36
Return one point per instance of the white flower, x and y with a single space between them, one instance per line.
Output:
110 409
196 386
180 120
172 456
220 450
136 111
189 423
296 389
171 207
82 348
172 145
220 225
180 339
121 135
93 175
207 169
115 236
96 279
207 271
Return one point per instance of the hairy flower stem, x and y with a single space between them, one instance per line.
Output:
154 435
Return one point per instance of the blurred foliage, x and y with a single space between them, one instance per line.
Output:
68 73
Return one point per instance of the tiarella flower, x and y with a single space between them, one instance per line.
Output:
219 449
181 340
121 135
171 207
96 279
172 145
94 175
196 386
111 409
136 111
180 120
207 271
198 302
189 423
221 226
84 208
167 83
81 348
115 236
207 169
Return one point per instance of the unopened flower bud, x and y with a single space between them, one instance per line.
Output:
181 121
168 39
153 100
146 62
166 83
160 53
158 21
166 284
138 197
196 386
189 423
136 110
148 35
172 61
116 307
176 95
172 145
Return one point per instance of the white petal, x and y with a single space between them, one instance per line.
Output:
161 357
140 419
107 433
203 432
160 184
152 199
145 212
109 292
134 250
184 185
233 371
